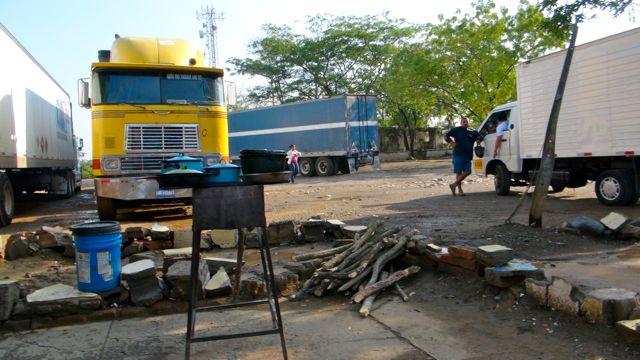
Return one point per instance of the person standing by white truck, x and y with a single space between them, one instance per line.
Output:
597 138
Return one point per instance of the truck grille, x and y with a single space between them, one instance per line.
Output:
175 137
146 163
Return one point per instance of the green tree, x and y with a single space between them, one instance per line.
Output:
466 65
562 13
337 55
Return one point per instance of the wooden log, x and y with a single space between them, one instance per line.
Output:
321 253
372 227
331 275
401 292
240 255
365 262
378 286
322 288
365 309
339 258
355 281
306 287
366 248
389 255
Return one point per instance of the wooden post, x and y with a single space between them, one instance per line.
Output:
543 176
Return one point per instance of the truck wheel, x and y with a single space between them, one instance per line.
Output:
325 167
106 208
71 185
502 180
615 187
7 203
307 166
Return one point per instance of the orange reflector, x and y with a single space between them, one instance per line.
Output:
588 154
225 160
95 164
629 152
104 181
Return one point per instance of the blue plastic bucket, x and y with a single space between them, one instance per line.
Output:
97 255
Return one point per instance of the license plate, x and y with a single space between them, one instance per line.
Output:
165 193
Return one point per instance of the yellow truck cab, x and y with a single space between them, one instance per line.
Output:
150 100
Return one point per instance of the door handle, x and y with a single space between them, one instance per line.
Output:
503 140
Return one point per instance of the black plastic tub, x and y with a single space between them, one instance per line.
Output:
263 161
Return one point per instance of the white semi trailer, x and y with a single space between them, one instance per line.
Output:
598 131
37 146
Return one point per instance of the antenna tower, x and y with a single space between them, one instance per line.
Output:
209 31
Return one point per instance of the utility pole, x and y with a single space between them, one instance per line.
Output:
543 177
209 31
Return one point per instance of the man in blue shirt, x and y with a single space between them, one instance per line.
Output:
462 140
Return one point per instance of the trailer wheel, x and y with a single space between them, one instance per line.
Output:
7 202
71 184
502 180
615 187
325 166
106 208
307 166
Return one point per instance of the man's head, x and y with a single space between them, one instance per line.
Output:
464 122
292 146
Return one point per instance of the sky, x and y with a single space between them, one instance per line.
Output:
65 35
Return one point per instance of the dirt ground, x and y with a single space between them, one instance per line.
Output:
447 316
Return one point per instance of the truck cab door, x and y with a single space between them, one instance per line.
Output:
488 131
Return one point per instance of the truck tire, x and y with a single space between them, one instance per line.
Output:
325 166
502 180
7 202
616 187
106 208
307 166
71 184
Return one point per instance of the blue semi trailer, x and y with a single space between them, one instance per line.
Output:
334 135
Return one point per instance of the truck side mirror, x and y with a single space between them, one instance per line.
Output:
81 144
231 93
83 93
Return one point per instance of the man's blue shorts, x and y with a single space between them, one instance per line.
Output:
461 164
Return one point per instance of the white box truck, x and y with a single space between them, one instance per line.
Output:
598 131
38 150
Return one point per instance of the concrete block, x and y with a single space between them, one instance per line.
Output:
630 330
9 295
313 231
214 263
49 237
160 232
514 272
61 298
614 221
219 284
136 233
179 278
252 239
138 270
494 255
607 306
157 256
630 230
145 291
463 252
563 296
350 231
17 247
184 239
456 270
225 239
282 232
133 248
537 290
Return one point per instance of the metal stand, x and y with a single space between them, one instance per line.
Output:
232 207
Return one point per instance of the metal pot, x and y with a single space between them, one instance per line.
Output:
181 162
263 161
222 174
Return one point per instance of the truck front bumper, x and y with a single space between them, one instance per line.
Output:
136 188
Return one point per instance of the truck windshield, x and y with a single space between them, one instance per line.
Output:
153 88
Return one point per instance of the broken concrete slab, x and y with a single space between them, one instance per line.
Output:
252 238
133 248
514 272
157 256
178 276
9 295
537 289
225 239
630 230
563 296
281 232
494 255
136 233
17 247
160 232
630 330
145 291
219 284
607 306
62 298
138 270
49 237
614 221
214 263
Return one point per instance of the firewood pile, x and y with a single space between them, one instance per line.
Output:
360 268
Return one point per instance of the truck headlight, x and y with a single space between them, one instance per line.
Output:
111 164
210 161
